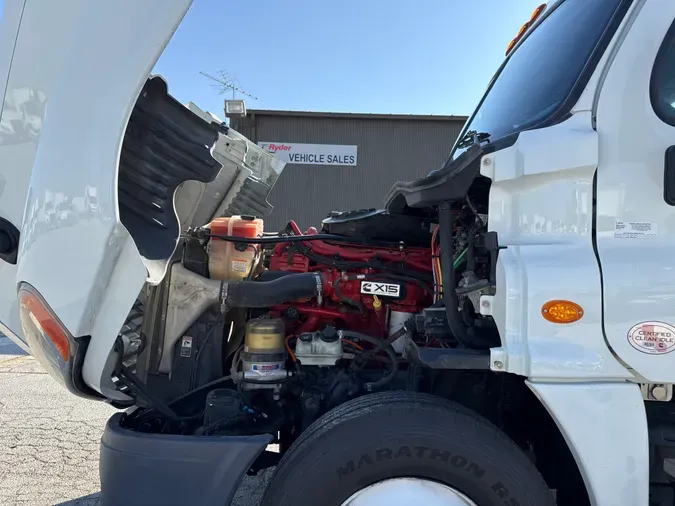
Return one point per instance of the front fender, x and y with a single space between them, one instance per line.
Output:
605 427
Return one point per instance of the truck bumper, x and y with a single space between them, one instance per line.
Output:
145 469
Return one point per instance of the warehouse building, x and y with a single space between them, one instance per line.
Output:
340 161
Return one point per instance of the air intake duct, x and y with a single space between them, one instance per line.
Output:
261 294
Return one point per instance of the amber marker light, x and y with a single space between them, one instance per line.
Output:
523 29
562 311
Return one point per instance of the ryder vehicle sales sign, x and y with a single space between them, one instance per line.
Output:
312 154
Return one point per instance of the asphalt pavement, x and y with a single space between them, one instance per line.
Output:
49 440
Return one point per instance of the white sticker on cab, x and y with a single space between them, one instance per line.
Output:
635 230
652 338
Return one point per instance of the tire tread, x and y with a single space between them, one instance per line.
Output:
386 403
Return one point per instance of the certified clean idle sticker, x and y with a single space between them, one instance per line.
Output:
653 338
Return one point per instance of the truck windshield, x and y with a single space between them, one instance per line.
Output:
536 80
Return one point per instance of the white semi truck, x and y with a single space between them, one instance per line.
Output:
501 332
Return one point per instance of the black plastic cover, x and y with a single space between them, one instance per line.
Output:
433 323
194 257
221 403
450 358
379 225
140 469
448 184
164 145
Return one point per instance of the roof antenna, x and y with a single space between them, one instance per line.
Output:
224 83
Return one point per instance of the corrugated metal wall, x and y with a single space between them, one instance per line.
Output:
389 150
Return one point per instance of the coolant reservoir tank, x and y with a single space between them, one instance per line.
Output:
229 260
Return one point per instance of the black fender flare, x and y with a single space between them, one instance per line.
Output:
137 469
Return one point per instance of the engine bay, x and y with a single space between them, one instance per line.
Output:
266 332
252 331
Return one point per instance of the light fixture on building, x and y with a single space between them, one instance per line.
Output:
235 108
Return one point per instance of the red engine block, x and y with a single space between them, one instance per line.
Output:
363 314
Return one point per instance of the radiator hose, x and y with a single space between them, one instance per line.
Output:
260 294
380 345
455 322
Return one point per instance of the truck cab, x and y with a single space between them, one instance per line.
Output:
501 331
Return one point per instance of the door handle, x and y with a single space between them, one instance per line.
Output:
669 177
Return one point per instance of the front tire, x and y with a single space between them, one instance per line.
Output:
404 435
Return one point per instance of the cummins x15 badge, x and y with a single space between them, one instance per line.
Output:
380 289
654 338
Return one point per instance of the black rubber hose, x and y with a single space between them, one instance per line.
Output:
367 355
273 275
135 385
448 267
222 424
381 345
270 293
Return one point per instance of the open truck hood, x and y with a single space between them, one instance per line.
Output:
180 167
86 223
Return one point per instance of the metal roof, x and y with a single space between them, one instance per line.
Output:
355 115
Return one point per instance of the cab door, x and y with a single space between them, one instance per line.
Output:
635 192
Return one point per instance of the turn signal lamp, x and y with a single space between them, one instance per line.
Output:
523 29
562 311
57 351
47 337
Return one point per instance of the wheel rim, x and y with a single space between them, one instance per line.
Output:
407 491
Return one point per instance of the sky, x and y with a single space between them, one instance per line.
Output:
367 56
